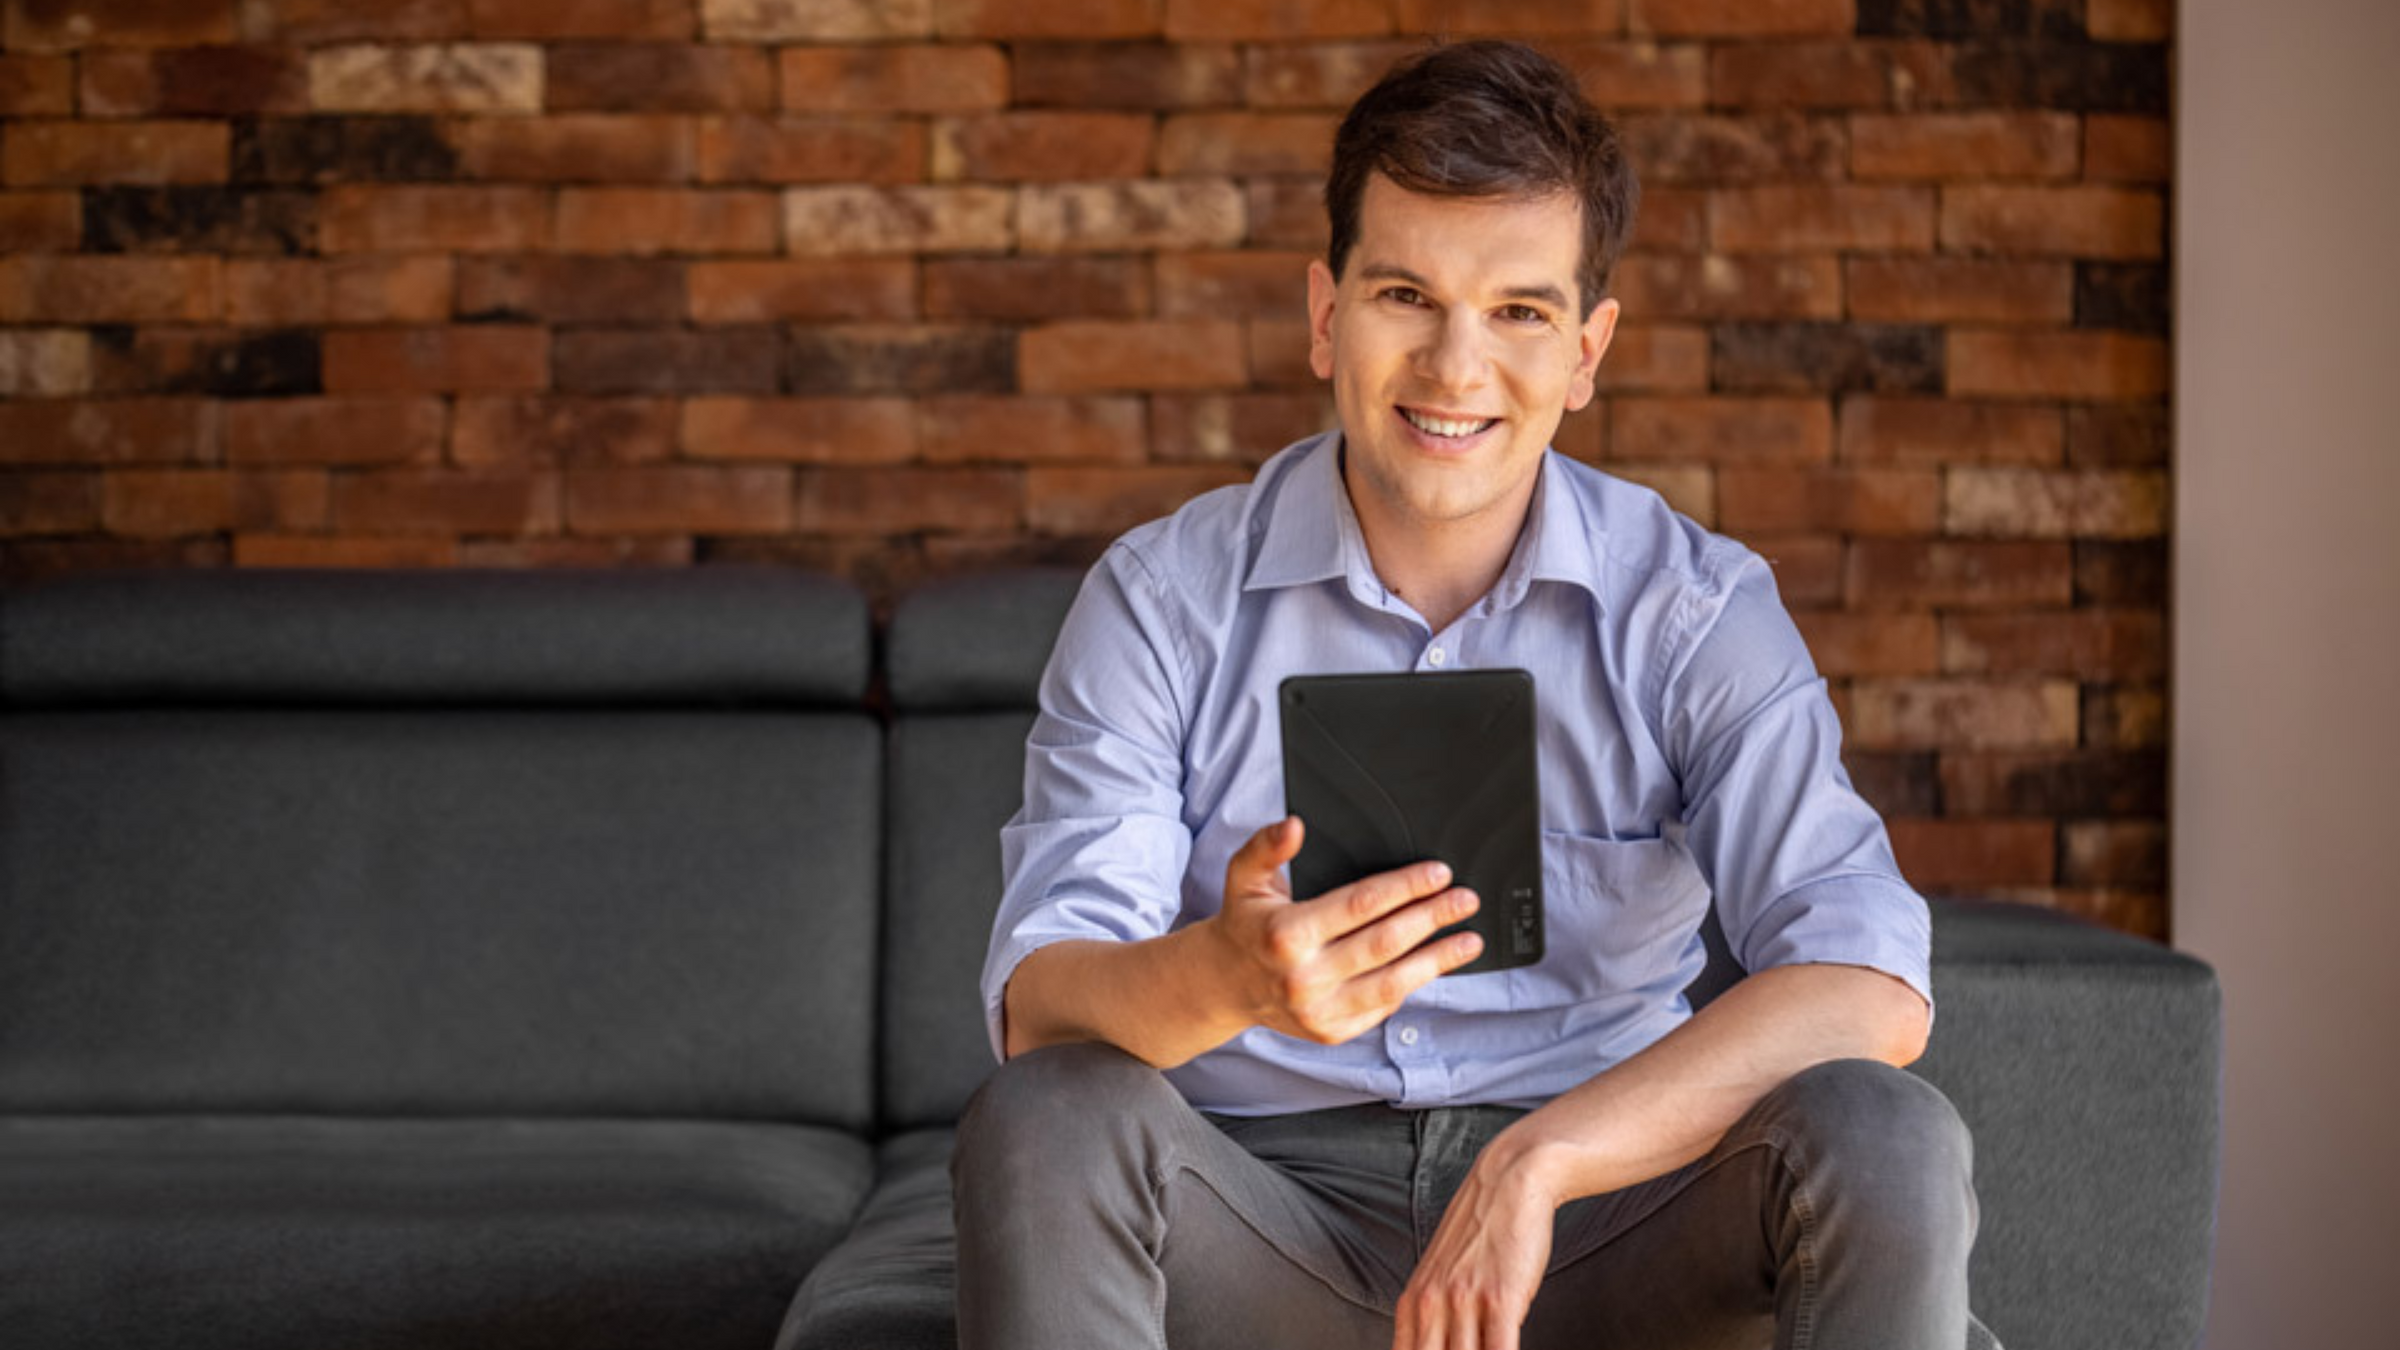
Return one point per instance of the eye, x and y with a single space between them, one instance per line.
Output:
1523 314
1404 295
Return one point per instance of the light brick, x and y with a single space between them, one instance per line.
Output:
811 150
446 77
1245 144
576 147
653 222
815 20
1942 289
1655 358
2124 224
800 430
898 501
1089 355
307 292
344 551
1714 286
927 78
548 431
1743 18
2114 644
865 220
72 289
1950 147
354 218
1948 431
483 358
1275 20
1003 429
2056 365
1958 574
1721 430
680 499
1852 501
1847 643
44 362
802 288
1961 713
1042 145
2057 504
44 154
445 501
1075 501
1943 855
1809 218
1130 217
108 431
335 431
1048 18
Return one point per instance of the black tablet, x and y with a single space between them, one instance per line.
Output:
1387 770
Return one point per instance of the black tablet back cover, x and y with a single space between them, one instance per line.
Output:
1391 769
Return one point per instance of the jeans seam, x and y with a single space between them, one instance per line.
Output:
1307 1267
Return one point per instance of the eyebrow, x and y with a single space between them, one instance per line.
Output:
1547 294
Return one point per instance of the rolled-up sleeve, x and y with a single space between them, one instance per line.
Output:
1099 847
1801 865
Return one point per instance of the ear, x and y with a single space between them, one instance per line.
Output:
1321 288
1591 346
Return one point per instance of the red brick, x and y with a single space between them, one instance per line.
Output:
1810 218
57 25
1111 500
1846 643
2119 435
1852 501
2114 853
1084 355
811 150
1744 18
1125 74
816 20
1583 435
802 288
37 86
680 499
32 559
658 77
317 21
1129 217
1944 289
2127 149
1242 428
1849 73
449 77
1808 567
800 430
1045 146
2056 504
1681 147
729 360
945 78
571 290
2079 221
2109 644
2055 783
1246 144
580 18
1959 574
1948 147
445 501
2125 717
1688 488
1722 430
1461 18
1278 351
1328 75
1036 288
44 362
1714 286
307 292
1962 713
876 220
201 81
170 503
2069 365
112 431
1234 285
1047 18
1947 431
39 222
1287 213
898 501
56 502
1948 854
67 288
576 148
1655 358
1272 20
544 432
432 219
1620 75
344 551
1003 429
43 154
2130 20
483 358
1671 220
517 554
334 431
647 222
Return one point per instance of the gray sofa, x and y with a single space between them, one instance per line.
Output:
580 959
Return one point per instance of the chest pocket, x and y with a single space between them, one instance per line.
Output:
1623 919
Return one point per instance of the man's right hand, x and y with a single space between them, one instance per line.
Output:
1327 968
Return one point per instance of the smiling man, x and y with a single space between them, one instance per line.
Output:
1231 1116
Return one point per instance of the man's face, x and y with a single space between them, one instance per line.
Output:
1454 344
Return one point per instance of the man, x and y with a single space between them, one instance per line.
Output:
1229 1116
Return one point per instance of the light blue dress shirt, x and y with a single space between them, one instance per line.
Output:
1686 744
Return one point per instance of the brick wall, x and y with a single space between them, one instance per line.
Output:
902 288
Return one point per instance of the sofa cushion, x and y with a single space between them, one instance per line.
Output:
269 1232
976 641
892 1284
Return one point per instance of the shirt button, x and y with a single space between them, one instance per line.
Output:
1408 1035
1435 657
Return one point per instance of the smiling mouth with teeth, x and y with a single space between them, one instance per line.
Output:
1454 428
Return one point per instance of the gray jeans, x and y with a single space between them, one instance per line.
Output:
1097 1209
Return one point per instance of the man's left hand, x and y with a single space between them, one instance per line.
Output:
1477 1279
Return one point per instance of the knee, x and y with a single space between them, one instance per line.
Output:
1056 1108
1882 1143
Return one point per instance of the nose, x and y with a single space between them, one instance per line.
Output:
1453 356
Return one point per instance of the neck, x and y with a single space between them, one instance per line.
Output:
1439 567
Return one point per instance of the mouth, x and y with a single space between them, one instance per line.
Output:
1450 428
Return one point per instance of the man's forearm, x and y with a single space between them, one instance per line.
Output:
1158 1000
1669 1105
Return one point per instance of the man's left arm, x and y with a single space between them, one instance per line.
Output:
1814 907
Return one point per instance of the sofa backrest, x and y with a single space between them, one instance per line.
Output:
964 659
441 843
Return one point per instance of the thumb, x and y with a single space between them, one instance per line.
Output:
1256 868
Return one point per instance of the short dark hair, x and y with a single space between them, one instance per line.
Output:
1486 119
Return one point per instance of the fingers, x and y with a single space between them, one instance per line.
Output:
1396 935
1347 909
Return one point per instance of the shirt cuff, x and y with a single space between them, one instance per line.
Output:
1863 919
